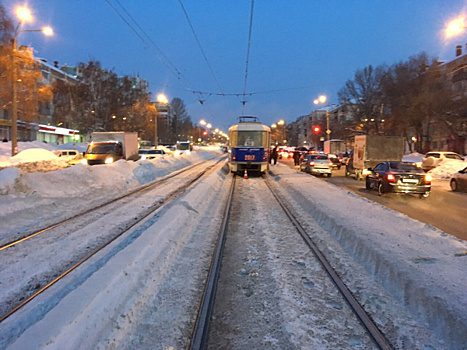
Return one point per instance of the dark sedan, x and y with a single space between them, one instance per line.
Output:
399 177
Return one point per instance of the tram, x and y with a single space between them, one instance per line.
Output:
249 142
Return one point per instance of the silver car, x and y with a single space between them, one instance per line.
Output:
459 180
318 164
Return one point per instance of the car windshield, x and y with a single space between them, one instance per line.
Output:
98 148
183 146
150 151
404 167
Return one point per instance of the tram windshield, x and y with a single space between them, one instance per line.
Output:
249 139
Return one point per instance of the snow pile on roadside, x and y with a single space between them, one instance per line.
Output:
423 267
448 167
84 180
413 157
36 156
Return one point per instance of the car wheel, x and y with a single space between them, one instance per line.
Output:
454 185
367 184
380 189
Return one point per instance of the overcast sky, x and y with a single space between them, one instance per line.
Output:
298 50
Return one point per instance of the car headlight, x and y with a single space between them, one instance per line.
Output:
84 161
366 172
177 153
143 156
109 160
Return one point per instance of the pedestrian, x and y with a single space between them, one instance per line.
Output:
296 157
274 155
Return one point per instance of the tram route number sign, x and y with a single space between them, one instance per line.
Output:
249 157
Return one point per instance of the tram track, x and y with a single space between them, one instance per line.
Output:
141 189
365 319
25 294
200 338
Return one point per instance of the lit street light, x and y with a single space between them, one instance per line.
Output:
455 27
161 106
24 15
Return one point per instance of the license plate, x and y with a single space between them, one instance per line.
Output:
250 157
410 181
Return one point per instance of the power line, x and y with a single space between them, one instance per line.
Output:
199 45
148 41
248 50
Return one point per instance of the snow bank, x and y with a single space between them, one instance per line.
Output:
83 180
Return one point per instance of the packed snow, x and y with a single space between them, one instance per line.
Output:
422 266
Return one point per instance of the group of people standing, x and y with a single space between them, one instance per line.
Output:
275 154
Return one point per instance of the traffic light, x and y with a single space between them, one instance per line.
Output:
316 129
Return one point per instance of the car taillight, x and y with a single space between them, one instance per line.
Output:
330 164
428 179
391 178
312 163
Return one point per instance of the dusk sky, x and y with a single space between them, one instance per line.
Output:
298 50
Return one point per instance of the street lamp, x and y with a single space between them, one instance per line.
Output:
322 99
24 15
455 27
161 104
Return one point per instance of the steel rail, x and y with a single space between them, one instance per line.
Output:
375 333
102 205
148 212
201 327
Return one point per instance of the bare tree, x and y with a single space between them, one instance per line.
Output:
365 93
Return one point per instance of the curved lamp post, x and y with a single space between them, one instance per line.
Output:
322 99
161 101
24 15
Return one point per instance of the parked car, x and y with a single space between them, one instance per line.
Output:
318 164
398 177
66 154
151 153
459 180
434 158
72 157
336 162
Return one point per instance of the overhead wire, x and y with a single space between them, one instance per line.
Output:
148 41
199 45
248 53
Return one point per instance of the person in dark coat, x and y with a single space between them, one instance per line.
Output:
274 155
296 157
